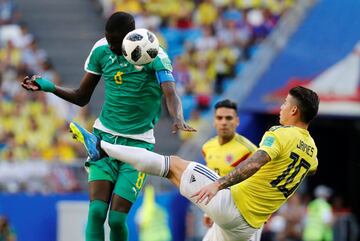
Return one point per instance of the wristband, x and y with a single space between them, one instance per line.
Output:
45 85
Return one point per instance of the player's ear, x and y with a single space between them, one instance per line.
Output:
294 110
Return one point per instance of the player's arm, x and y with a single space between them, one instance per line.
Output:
243 171
79 96
312 171
173 101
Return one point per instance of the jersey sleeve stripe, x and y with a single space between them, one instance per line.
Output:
100 42
240 160
246 143
92 72
203 153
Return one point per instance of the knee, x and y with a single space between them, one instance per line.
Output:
117 223
97 212
177 164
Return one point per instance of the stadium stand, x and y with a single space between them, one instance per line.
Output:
40 133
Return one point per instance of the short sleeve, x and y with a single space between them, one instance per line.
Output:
161 62
92 63
270 144
315 166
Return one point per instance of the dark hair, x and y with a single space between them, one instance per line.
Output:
307 101
120 22
226 104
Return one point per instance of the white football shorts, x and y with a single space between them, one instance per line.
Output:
229 225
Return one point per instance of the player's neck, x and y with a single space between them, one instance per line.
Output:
225 139
302 125
299 124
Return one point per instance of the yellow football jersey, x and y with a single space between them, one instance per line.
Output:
293 154
223 158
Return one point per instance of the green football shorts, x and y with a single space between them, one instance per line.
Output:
127 180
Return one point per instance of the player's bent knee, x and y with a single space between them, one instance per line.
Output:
177 164
98 210
177 168
97 213
117 224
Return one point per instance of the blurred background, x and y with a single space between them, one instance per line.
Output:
250 51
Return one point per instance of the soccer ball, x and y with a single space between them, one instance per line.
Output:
140 46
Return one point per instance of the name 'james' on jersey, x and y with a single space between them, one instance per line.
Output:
132 93
293 155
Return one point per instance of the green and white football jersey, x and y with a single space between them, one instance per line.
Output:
132 93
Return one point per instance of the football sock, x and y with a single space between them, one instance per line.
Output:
118 226
96 218
143 160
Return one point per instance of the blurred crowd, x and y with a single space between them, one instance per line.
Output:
32 126
321 217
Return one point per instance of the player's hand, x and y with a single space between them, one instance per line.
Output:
181 125
29 83
207 192
207 221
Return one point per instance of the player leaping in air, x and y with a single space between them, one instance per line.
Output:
240 202
132 106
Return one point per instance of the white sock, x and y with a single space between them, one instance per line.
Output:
143 160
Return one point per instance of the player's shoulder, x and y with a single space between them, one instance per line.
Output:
162 61
211 143
163 56
101 44
280 128
244 141
241 138
162 53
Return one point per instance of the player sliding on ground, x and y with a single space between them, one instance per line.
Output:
240 202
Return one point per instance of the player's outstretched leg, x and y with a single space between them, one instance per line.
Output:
140 158
89 140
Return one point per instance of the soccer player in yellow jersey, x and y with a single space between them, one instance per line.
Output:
240 202
225 151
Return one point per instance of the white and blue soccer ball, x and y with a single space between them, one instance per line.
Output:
140 46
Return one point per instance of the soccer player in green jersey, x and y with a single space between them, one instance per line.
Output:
131 109
240 202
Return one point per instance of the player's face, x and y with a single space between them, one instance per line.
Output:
115 42
287 110
226 121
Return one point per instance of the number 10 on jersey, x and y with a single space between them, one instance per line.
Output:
290 178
